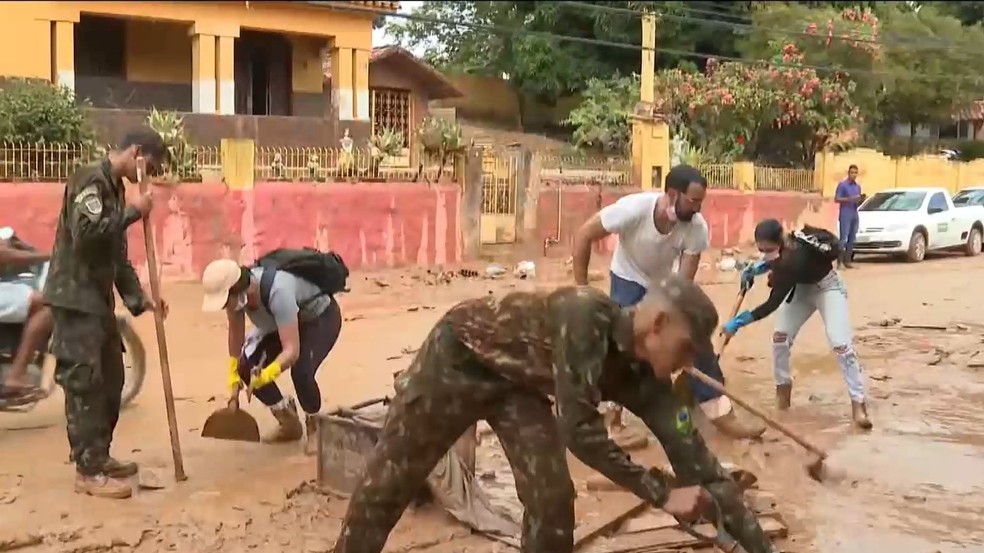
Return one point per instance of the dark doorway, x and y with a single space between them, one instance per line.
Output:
264 77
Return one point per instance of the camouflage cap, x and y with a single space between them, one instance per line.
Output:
698 309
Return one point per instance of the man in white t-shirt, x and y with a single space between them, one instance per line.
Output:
660 233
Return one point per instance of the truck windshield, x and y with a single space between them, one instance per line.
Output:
894 201
969 197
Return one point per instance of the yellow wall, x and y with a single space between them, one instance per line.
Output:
158 52
877 172
25 29
496 100
308 73
25 42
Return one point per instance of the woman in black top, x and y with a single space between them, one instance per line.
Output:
803 280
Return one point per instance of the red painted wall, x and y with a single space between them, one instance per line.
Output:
370 225
731 215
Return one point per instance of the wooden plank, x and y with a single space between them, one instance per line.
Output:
661 539
652 519
629 507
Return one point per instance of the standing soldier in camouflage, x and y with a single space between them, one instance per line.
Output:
500 360
89 258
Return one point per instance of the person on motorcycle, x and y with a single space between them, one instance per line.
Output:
23 305
294 329
89 258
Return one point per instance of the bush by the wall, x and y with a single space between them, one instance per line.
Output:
33 111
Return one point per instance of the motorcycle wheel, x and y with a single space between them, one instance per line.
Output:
134 361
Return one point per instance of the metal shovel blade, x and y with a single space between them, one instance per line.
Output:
231 423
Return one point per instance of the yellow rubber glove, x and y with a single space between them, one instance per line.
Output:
266 376
233 373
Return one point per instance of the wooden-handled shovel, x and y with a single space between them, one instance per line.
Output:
155 291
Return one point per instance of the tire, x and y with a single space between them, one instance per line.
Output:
973 246
917 247
134 361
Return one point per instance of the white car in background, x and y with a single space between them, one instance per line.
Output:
969 196
913 221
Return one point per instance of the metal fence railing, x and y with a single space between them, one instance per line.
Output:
781 179
43 162
719 175
576 169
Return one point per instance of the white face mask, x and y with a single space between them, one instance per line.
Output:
671 213
771 256
240 302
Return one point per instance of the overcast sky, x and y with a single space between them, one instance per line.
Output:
379 36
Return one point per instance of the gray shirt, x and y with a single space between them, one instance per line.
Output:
287 296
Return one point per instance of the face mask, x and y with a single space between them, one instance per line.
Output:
241 302
771 256
671 213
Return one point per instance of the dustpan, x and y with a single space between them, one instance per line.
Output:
231 423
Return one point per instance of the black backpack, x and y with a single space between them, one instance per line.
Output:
326 270
821 241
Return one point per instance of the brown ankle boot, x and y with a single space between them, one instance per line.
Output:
101 485
784 393
311 429
859 412
732 426
290 428
120 469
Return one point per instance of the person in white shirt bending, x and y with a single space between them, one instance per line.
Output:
659 233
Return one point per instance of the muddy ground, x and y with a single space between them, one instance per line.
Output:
914 484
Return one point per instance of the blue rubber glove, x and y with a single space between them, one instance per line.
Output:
749 273
742 319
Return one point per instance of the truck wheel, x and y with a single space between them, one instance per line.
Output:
973 246
917 247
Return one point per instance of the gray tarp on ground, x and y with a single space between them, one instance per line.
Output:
486 503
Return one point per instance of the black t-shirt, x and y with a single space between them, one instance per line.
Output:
807 256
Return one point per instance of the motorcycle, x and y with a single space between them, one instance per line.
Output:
134 352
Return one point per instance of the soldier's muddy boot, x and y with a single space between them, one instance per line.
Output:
784 394
101 485
311 429
732 426
289 428
859 412
120 469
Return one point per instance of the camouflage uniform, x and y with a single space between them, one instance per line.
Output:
88 259
499 360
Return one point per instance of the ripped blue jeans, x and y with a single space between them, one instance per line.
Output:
829 297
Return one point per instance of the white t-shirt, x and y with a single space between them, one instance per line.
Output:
643 254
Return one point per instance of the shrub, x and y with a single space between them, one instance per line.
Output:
184 162
33 111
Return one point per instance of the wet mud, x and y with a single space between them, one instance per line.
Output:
913 484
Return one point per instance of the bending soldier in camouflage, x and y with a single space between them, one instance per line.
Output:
499 360
89 258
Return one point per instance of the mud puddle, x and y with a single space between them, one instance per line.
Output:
914 482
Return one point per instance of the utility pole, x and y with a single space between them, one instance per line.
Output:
648 75
650 133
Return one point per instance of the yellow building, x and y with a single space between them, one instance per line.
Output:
308 59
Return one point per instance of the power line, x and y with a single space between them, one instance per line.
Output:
494 29
749 27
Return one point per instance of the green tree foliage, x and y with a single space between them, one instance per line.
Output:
33 111
930 84
844 40
602 122
546 68
777 112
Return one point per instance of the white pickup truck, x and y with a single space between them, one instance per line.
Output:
913 221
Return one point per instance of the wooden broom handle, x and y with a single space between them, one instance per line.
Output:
155 291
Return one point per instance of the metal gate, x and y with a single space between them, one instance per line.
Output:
500 174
